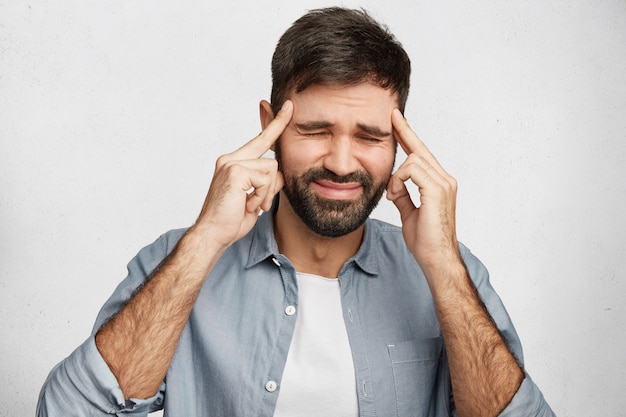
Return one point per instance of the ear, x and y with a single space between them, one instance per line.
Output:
266 115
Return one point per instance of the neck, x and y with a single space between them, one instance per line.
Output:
309 252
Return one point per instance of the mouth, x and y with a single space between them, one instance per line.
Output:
337 191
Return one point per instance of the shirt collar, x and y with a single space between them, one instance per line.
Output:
263 241
264 245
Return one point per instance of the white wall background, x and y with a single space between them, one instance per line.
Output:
113 113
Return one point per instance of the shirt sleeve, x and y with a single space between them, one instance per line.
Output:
82 384
528 401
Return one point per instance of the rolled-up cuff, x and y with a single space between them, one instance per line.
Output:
528 401
83 384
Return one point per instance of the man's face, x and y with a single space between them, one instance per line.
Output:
337 154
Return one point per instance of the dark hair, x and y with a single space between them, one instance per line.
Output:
338 46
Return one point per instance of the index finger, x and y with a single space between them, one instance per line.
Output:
411 143
408 139
264 141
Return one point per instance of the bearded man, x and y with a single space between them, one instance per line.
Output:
311 308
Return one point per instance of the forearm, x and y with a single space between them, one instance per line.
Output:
139 342
485 375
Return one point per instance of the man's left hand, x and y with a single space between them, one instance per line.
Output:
430 228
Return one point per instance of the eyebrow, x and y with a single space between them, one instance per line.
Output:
373 130
314 125
323 124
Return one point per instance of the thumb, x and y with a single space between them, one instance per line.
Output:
399 195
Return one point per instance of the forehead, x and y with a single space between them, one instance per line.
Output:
357 103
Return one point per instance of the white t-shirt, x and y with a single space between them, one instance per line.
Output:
318 379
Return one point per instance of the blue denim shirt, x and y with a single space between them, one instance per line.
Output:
232 352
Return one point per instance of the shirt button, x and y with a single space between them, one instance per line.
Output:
276 262
290 310
270 386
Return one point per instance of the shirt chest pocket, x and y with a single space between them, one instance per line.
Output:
415 373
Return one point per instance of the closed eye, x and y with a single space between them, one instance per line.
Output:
313 129
315 134
370 139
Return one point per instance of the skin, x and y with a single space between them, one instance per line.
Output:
360 125
139 342
343 146
485 375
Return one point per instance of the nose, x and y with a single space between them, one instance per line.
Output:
340 156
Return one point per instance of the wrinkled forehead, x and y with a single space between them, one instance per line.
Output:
362 103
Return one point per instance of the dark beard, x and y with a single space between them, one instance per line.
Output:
331 218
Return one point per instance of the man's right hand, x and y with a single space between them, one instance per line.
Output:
243 184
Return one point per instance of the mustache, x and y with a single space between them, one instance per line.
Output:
315 174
